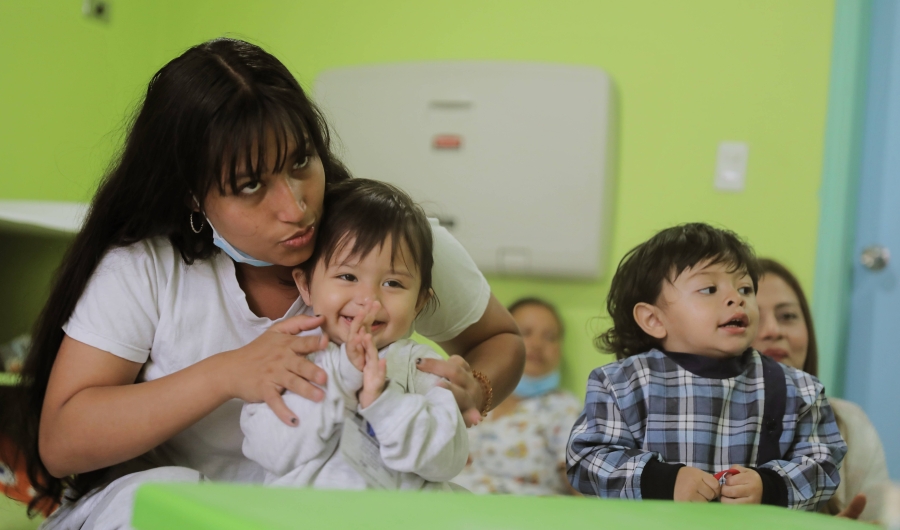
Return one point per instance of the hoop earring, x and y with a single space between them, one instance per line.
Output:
202 223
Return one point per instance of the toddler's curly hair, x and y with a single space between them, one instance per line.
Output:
641 273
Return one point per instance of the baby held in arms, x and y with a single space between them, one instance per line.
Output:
690 411
383 423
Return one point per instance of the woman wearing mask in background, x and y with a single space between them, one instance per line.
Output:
175 303
786 334
520 448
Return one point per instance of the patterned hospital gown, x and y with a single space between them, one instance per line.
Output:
521 453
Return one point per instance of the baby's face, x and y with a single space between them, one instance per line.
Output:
339 291
709 311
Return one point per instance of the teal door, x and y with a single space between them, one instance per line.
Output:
873 346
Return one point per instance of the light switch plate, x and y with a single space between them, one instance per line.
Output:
731 166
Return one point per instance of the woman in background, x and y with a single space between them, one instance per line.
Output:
520 447
786 334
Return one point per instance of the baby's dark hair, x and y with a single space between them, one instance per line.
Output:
663 257
368 211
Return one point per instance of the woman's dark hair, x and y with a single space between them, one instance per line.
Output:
664 257
531 300
769 266
207 115
368 211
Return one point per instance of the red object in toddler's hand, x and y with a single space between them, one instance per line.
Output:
725 473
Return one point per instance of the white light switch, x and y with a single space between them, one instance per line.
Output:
731 166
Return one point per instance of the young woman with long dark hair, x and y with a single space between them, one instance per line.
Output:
175 303
786 334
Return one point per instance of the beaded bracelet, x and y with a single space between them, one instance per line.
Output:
486 388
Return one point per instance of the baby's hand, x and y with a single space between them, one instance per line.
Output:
695 485
743 488
361 325
374 374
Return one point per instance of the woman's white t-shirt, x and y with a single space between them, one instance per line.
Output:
146 305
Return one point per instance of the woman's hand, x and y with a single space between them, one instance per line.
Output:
855 508
494 347
274 362
466 389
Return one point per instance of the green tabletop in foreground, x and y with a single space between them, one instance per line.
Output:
231 507
8 379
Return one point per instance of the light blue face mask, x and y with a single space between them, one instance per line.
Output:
530 387
235 254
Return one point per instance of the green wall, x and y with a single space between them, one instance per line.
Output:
689 74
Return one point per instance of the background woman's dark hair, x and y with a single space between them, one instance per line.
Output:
216 107
531 300
369 211
641 273
770 266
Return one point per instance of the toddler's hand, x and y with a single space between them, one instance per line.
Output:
374 374
695 485
361 325
743 488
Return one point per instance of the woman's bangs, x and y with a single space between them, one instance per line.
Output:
242 141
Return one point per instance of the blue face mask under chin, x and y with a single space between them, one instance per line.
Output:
530 387
235 254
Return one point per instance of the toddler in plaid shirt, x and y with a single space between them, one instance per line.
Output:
689 398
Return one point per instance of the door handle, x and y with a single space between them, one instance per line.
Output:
875 257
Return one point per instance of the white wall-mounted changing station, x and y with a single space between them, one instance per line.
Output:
513 158
42 217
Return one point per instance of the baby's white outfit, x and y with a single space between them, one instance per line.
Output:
420 431
145 304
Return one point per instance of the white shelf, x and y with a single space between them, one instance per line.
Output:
46 217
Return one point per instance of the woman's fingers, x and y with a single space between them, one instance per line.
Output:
459 361
275 402
303 367
276 361
302 387
297 324
467 407
459 381
855 508
308 344
450 369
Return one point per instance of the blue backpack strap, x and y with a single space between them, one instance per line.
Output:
773 411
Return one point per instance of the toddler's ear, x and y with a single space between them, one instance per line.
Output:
424 298
302 285
647 317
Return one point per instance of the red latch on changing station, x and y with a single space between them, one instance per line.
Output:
447 141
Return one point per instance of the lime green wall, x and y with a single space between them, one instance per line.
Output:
689 74
68 84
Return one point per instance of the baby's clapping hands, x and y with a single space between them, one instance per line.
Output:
362 353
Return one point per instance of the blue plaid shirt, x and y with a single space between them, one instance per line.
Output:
704 413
